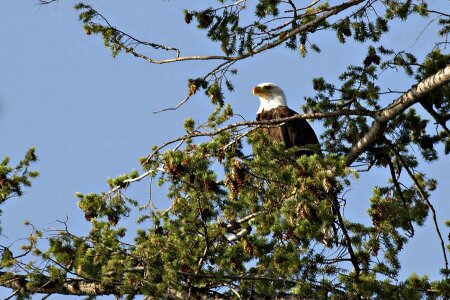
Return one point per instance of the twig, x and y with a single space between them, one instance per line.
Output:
189 94
232 4
176 106
425 199
348 241
262 278
13 294
400 194
43 2
436 116
135 40
239 137
437 12
422 31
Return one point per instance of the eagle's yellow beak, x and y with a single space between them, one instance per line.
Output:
257 91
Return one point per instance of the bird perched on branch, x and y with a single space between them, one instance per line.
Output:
297 132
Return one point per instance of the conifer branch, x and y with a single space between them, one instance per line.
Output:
424 197
282 38
399 105
246 124
223 66
348 241
400 194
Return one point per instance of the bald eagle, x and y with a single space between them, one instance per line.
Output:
297 133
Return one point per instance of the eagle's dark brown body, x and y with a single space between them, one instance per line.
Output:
297 132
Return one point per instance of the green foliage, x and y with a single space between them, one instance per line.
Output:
111 37
359 90
195 84
360 28
122 180
250 224
266 8
14 179
220 115
445 23
192 231
7 258
111 206
214 92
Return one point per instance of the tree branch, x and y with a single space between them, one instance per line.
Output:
223 66
400 194
78 287
399 105
424 197
348 240
44 2
313 23
437 117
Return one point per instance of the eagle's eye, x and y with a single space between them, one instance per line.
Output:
269 87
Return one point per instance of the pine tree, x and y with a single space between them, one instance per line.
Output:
247 223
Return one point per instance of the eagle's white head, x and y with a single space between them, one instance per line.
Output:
270 95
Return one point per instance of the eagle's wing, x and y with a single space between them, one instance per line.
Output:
297 132
277 133
286 136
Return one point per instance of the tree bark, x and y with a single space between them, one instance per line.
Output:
398 106
78 287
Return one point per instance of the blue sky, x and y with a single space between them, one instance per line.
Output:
91 117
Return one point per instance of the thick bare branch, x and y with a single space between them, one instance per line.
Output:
81 287
78 287
412 96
